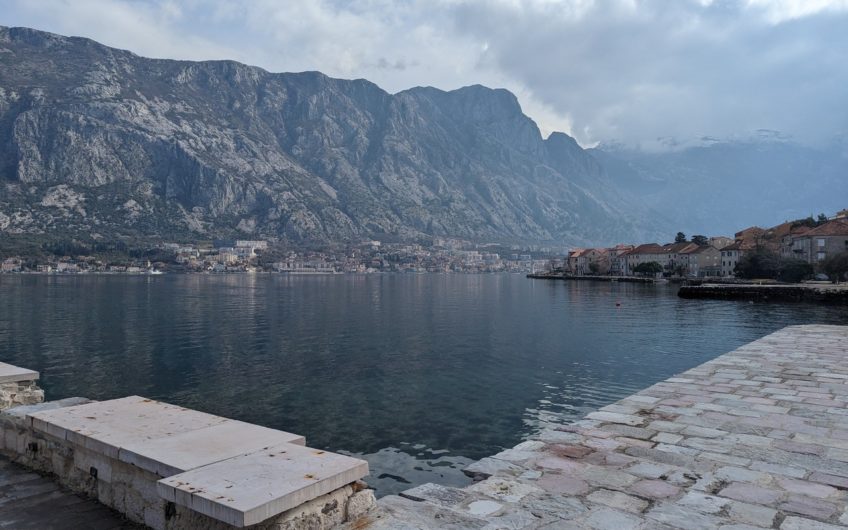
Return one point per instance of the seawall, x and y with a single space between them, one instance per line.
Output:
827 294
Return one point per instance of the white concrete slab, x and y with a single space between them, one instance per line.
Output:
248 489
181 452
13 374
105 426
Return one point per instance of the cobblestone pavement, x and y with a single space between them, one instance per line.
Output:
757 438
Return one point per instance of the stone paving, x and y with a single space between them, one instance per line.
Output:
757 438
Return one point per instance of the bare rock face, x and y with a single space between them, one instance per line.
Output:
99 139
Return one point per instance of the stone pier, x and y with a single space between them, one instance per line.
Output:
757 438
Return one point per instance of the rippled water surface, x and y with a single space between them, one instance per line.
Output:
420 374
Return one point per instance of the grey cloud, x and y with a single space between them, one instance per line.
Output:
632 71
671 68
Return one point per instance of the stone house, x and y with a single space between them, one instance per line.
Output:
677 256
618 260
720 242
703 261
580 260
644 254
822 241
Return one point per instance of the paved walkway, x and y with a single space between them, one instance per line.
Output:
757 438
30 501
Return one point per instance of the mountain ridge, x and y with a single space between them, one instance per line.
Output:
102 142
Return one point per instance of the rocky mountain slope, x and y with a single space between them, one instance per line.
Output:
99 142
722 186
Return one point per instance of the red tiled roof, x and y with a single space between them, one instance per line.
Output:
751 231
837 227
677 247
647 248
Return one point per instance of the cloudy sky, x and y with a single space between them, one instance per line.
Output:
630 71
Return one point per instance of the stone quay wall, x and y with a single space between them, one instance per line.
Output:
132 491
823 294
15 393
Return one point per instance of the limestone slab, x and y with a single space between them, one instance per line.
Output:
248 489
105 426
183 451
13 374
139 431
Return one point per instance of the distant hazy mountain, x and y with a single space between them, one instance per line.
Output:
95 140
723 186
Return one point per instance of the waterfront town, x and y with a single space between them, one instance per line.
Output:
810 240
371 256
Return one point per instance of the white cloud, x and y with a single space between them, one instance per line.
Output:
778 11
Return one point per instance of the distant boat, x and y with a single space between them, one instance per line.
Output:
154 272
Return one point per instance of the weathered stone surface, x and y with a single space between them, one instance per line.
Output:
618 500
654 489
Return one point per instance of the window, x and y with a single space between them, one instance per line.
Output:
820 242
820 256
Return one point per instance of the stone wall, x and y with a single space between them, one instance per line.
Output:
14 393
132 491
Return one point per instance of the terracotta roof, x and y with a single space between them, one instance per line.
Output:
781 230
695 249
837 227
751 231
647 248
677 247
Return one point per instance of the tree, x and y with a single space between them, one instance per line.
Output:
794 270
680 238
679 270
758 264
594 267
649 268
836 266
700 240
821 219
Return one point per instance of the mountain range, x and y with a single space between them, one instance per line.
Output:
98 143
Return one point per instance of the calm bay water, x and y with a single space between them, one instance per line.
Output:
420 374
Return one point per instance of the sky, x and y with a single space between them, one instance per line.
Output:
638 72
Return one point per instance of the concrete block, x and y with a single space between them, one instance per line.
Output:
15 374
159 437
170 455
251 488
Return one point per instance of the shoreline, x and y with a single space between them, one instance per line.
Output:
623 279
752 439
